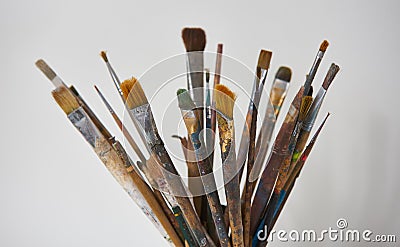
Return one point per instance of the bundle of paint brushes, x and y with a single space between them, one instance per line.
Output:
184 218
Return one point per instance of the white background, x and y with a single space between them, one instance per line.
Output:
55 192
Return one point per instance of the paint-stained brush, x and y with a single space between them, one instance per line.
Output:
313 71
224 103
190 117
276 97
276 158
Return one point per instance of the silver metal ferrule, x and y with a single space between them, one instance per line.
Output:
144 117
314 109
81 120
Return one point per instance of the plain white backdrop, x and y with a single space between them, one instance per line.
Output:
55 192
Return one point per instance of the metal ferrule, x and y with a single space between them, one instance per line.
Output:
314 109
144 117
81 120
196 67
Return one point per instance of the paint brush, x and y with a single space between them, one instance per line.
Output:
224 103
190 117
276 158
313 71
248 139
161 186
122 127
140 111
313 112
132 184
292 178
194 40
276 97
275 201
264 59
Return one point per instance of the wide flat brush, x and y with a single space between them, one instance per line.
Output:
224 103
190 118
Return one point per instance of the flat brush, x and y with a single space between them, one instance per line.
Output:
276 158
264 59
276 97
132 184
194 40
249 135
225 100
190 118
140 111
294 175
313 71
313 112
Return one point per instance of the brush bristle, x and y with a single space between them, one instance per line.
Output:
104 56
324 45
224 100
184 100
264 59
207 75
194 39
284 74
47 71
65 99
133 93
305 105
333 70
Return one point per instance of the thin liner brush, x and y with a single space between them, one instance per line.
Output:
225 100
276 158
140 111
295 174
276 97
143 168
313 71
190 118
134 186
251 125
122 127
